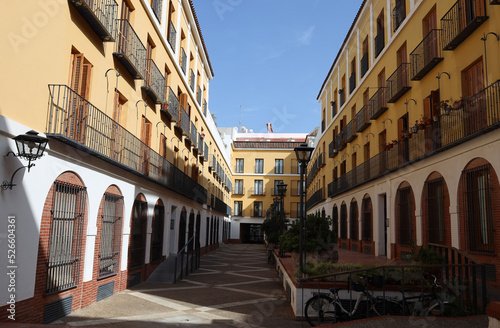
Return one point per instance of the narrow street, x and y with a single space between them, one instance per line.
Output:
234 287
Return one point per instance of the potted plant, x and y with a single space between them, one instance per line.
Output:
405 133
164 104
457 104
435 118
414 128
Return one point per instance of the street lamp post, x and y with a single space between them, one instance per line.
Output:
281 193
303 153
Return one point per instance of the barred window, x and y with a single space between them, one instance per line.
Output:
157 234
343 221
138 234
109 255
367 219
435 211
66 237
404 211
353 219
477 209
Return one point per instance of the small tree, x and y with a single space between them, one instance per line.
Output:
318 236
272 227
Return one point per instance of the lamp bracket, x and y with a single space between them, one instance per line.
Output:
8 185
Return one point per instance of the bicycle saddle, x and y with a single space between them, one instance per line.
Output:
335 290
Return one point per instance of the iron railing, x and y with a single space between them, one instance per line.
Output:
364 64
379 42
198 95
222 207
109 253
172 110
463 18
398 83
398 14
172 35
154 82
183 60
350 131
362 119
75 121
332 151
201 145
352 82
378 103
191 254
66 237
340 141
156 6
194 135
191 79
257 191
100 14
184 122
315 198
426 55
342 97
129 49
479 114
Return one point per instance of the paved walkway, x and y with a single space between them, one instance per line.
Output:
234 287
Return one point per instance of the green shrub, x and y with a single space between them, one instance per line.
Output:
318 236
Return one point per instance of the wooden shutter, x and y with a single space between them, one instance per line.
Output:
435 101
76 71
427 107
85 82
183 100
474 79
400 127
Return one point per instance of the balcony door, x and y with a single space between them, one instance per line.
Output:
145 145
123 30
475 95
429 25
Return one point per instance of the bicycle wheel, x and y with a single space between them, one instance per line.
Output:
438 308
320 310
383 307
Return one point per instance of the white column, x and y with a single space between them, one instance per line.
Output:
347 69
418 224
454 226
178 27
188 50
358 58
388 20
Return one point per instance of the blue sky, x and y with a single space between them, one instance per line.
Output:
271 57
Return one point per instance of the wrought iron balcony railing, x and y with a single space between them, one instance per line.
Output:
352 82
154 82
463 18
183 60
194 136
398 83
340 141
172 35
332 151
426 55
171 109
478 115
342 97
398 15
322 126
364 64
362 119
222 207
75 121
316 198
350 131
191 79
378 103
198 95
183 123
129 49
379 42
156 6
100 14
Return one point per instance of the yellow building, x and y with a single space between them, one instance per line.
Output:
259 162
135 170
408 149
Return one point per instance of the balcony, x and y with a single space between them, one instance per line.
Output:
213 163
183 60
172 35
198 95
100 15
340 141
239 190
461 20
426 55
194 136
398 15
479 114
200 144
316 198
205 107
334 108
183 125
398 83
379 43
342 97
352 82
378 103
191 79
129 49
154 82
322 126
362 119
156 6
171 110
332 151
364 64
257 192
76 122
222 207
350 131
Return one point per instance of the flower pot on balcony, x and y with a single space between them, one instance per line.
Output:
458 104
414 128
435 118
421 126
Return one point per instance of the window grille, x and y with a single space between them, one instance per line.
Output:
109 255
157 235
66 237
477 209
435 211
404 211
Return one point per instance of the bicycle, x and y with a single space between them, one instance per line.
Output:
324 308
